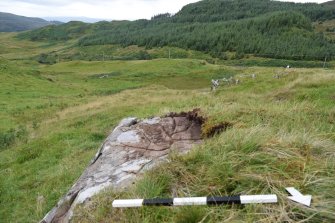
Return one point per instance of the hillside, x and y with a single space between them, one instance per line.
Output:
330 4
65 88
259 27
224 10
14 23
55 117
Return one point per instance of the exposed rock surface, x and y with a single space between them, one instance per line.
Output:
132 147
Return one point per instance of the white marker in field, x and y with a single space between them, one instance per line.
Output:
298 197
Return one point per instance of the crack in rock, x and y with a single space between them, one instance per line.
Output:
133 147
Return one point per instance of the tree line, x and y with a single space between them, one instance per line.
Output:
260 27
286 35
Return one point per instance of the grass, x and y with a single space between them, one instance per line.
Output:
267 62
273 144
116 52
282 135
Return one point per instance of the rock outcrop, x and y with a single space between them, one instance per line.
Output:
132 147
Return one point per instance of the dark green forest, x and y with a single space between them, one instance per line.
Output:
224 10
260 27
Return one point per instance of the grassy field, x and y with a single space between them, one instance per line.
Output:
54 117
282 135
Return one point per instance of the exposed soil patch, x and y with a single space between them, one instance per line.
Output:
193 116
212 130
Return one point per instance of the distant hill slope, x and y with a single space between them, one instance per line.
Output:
224 10
260 27
14 23
69 19
330 4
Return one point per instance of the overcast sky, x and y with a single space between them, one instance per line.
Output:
103 9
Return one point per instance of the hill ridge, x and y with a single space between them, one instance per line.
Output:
15 23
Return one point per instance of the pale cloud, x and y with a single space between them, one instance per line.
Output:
104 9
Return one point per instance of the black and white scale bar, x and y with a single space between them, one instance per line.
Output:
187 201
